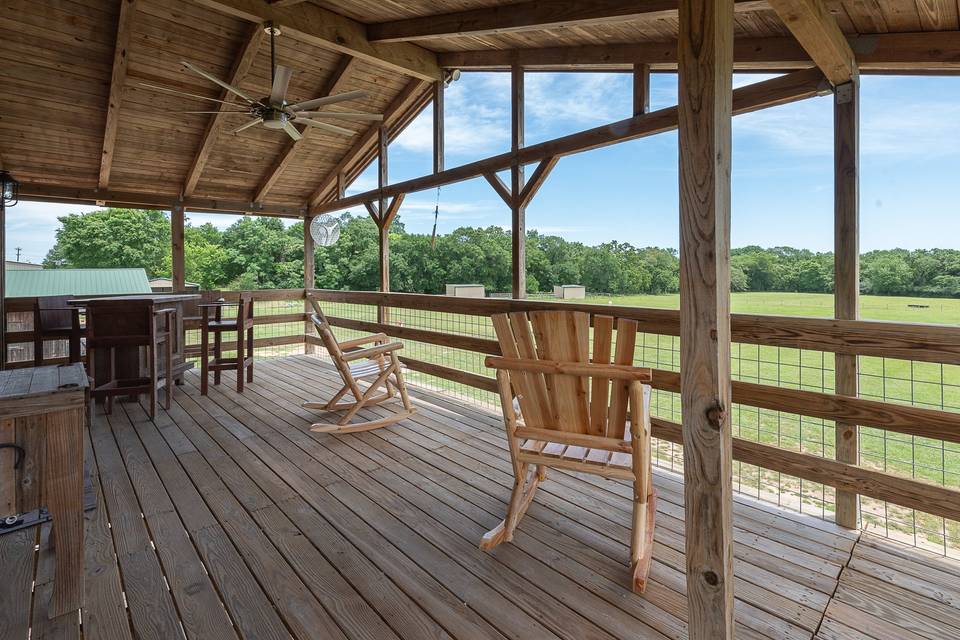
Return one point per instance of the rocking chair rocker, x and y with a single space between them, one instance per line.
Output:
378 362
565 420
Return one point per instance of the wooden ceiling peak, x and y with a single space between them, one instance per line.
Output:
241 67
817 31
335 83
530 16
323 28
117 77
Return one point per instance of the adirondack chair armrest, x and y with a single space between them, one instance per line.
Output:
362 340
583 369
372 352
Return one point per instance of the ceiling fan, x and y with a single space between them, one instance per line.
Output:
273 111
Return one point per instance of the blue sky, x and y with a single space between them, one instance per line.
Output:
782 167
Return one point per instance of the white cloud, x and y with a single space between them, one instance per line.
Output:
32 227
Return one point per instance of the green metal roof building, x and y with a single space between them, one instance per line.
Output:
75 282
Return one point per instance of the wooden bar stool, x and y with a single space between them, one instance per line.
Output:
54 319
125 325
242 324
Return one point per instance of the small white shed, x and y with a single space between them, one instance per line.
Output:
570 291
466 290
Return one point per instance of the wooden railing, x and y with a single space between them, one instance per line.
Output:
923 343
912 342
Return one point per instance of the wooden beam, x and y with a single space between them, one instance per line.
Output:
438 112
846 211
502 190
817 31
537 179
641 88
518 211
392 210
338 78
383 178
705 108
128 8
178 278
241 66
781 90
323 28
533 15
923 52
404 101
37 192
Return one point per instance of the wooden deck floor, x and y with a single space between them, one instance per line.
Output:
227 518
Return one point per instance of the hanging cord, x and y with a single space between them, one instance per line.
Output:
436 214
273 55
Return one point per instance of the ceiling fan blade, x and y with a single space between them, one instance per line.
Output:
212 78
210 112
319 102
341 115
281 80
292 131
183 93
252 123
326 127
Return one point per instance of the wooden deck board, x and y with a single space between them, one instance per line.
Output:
226 517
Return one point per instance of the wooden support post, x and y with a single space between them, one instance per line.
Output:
178 276
309 279
641 89
384 229
3 284
518 212
846 210
438 126
705 109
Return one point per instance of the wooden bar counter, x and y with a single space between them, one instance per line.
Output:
43 412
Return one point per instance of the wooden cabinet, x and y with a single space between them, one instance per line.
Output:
43 412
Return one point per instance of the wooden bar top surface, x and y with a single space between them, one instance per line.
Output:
155 298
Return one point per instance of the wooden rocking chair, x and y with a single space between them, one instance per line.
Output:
378 362
566 420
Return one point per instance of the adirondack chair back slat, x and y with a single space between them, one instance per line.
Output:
600 387
620 394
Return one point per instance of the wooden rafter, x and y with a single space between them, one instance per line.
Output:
128 9
781 90
817 31
57 193
529 16
323 28
536 180
334 83
241 67
406 98
881 53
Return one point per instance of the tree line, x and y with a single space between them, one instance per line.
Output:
261 253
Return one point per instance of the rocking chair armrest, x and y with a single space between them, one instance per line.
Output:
372 352
583 369
362 340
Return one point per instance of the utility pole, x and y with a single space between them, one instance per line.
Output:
18 250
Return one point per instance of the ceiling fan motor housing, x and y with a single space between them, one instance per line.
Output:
275 118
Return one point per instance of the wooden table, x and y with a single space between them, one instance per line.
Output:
43 411
129 360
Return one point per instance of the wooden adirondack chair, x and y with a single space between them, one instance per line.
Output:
574 413
378 362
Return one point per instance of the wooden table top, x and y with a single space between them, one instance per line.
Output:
27 390
155 298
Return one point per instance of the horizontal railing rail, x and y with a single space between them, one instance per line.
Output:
915 342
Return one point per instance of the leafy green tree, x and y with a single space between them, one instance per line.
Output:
113 238
887 274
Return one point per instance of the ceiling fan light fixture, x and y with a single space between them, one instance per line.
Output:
271 30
